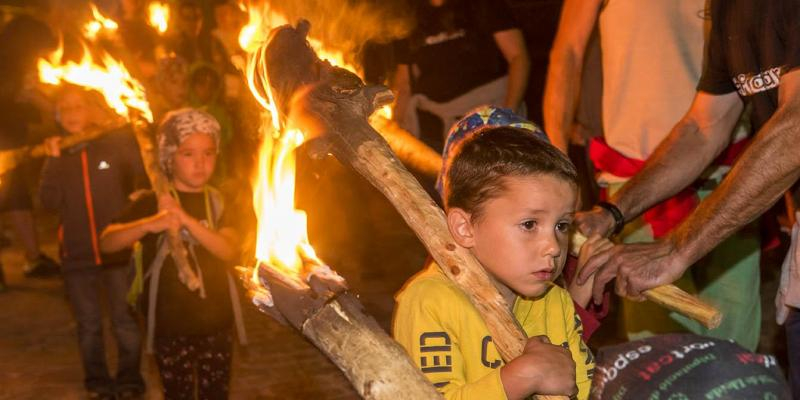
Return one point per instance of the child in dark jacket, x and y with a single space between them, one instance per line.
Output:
88 184
191 335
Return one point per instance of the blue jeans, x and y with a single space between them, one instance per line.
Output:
84 289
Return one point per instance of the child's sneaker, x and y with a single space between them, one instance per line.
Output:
43 267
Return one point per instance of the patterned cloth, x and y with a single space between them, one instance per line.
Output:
476 121
177 126
189 362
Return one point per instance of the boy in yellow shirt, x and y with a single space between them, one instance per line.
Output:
510 198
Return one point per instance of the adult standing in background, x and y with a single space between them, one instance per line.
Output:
652 57
461 55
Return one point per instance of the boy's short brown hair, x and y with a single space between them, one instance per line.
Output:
475 173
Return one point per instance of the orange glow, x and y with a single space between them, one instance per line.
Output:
100 23
263 19
158 16
109 77
282 237
282 240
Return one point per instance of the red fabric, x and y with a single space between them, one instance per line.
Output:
666 215
87 190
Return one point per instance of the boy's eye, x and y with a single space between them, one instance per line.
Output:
563 226
528 225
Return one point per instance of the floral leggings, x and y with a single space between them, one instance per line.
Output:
189 363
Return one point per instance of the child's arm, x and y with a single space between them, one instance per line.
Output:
220 244
122 235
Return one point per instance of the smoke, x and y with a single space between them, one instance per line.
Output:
347 25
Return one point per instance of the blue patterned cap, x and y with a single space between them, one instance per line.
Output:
476 121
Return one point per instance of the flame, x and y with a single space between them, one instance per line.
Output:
263 19
282 236
109 77
158 16
282 240
100 23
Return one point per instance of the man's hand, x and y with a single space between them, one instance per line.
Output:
637 267
597 221
542 368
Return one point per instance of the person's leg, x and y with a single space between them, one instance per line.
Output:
126 330
22 223
793 350
82 291
214 366
176 365
38 264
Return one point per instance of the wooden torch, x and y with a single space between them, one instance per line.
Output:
334 105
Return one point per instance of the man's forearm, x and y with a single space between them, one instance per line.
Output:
518 70
681 157
561 98
765 170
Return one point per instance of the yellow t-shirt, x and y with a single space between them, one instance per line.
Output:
447 338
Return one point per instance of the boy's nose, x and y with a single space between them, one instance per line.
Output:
553 247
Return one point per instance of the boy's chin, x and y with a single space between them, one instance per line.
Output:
534 291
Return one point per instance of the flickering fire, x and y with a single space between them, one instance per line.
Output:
282 240
158 16
263 19
282 237
100 23
106 75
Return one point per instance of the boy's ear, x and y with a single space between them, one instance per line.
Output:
459 222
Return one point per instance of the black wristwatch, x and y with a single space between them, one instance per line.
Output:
619 219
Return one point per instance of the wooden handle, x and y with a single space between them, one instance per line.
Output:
10 159
160 185
669 296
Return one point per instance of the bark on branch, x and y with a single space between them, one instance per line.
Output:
334 105
160 185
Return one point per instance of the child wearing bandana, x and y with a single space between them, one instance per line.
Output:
191 335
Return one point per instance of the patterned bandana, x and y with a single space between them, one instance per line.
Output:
478 120
177 126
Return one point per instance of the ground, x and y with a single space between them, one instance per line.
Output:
353 229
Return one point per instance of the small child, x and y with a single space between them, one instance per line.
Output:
510 198
88 185
191 335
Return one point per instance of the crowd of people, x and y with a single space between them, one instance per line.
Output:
693 140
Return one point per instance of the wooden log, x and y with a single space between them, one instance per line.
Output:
10 159
414 154
335 321
160 185
669 296
333 104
